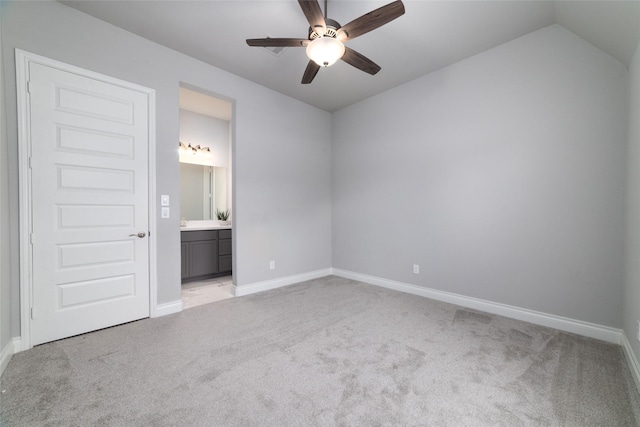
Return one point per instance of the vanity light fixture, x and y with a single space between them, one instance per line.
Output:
196 151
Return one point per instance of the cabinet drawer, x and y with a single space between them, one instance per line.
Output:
225 264
224 247
191 236
224 234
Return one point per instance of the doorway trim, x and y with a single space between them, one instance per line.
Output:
23 59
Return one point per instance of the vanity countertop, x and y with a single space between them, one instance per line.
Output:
198 225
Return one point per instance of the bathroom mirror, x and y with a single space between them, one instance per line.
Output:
203 189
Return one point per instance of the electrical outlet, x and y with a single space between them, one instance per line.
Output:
164 200
272 265
165 213
416 269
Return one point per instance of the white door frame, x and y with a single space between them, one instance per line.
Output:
23 59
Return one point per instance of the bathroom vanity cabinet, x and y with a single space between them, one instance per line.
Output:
205 254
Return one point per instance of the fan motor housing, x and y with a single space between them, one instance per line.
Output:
332 29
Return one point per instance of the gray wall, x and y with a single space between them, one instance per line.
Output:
207 131
632 277
502 176
281 147
5 280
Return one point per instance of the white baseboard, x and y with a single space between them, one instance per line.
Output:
632 360
253 288
592 330
167 308
6 353
18 345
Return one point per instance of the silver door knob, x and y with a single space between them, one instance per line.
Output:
140 234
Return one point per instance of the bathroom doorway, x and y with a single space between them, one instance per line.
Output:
205 155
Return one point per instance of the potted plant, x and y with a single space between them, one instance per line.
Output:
223 216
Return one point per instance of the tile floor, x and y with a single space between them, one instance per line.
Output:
206 291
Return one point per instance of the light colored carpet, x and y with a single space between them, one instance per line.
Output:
325 352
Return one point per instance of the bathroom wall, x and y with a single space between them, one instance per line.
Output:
207 131
215 133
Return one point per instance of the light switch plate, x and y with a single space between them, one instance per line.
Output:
164 200
165 213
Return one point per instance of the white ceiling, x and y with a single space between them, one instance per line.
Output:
431 35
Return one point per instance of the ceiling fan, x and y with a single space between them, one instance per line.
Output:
325 43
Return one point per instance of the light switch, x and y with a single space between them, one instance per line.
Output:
165 213
164 200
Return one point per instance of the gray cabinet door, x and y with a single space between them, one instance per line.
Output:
203 258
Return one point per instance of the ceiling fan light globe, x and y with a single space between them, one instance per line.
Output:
325 51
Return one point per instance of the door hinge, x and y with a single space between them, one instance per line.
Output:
31 238
32 316
29 86
30 165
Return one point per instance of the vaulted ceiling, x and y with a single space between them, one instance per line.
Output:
429 36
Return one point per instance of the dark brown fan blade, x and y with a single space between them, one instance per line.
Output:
313 13
360 61
371 21
269 42
310 72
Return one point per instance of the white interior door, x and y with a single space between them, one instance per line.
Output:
89 198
